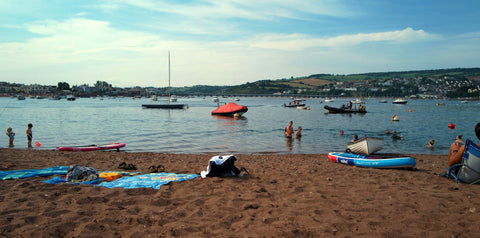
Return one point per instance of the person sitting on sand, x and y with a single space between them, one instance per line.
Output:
289 130
298 133
457 149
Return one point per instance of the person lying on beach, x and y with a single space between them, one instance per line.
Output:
457 149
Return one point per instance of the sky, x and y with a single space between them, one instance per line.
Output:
229 42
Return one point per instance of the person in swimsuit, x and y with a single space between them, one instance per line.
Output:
298 133
29 134
455 146
457 151
289 130
11 136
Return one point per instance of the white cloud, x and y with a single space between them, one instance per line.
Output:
295 42
81 51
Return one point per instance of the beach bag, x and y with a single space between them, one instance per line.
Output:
469 169
222 166
78 174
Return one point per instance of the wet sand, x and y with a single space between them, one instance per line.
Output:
284 196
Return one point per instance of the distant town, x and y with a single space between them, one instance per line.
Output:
444 83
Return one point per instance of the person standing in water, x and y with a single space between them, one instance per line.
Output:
29 134
298 133
289 130
11 136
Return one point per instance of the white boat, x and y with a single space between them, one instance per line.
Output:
329 100
172 98
303 107
215 99
154 98
400 101
70 97
366 145
357 101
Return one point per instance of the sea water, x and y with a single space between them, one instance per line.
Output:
99 121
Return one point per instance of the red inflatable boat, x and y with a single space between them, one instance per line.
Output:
230 109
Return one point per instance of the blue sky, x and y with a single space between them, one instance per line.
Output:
230 42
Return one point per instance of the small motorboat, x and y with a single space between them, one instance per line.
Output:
395 118
400 101
230 109
360 109
303 107
366 145
294 105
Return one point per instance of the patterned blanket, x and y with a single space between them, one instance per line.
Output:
152 180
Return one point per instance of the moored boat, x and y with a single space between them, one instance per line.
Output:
230 109
360 109
164 106
294 105
366 145
303 107
400 101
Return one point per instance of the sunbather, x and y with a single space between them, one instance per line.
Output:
456 149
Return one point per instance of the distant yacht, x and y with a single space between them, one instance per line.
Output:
400 101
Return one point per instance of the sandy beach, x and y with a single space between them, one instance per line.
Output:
284 196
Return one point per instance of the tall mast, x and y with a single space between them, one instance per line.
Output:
168 69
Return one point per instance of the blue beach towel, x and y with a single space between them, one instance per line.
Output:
28 173
58 179
152 180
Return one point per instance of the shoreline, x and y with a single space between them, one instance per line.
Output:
287 195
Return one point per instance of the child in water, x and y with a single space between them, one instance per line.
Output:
11 136
29 134
298 133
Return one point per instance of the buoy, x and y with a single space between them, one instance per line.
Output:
37 144
409 110
451 126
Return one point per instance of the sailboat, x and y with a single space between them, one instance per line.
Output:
174 99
